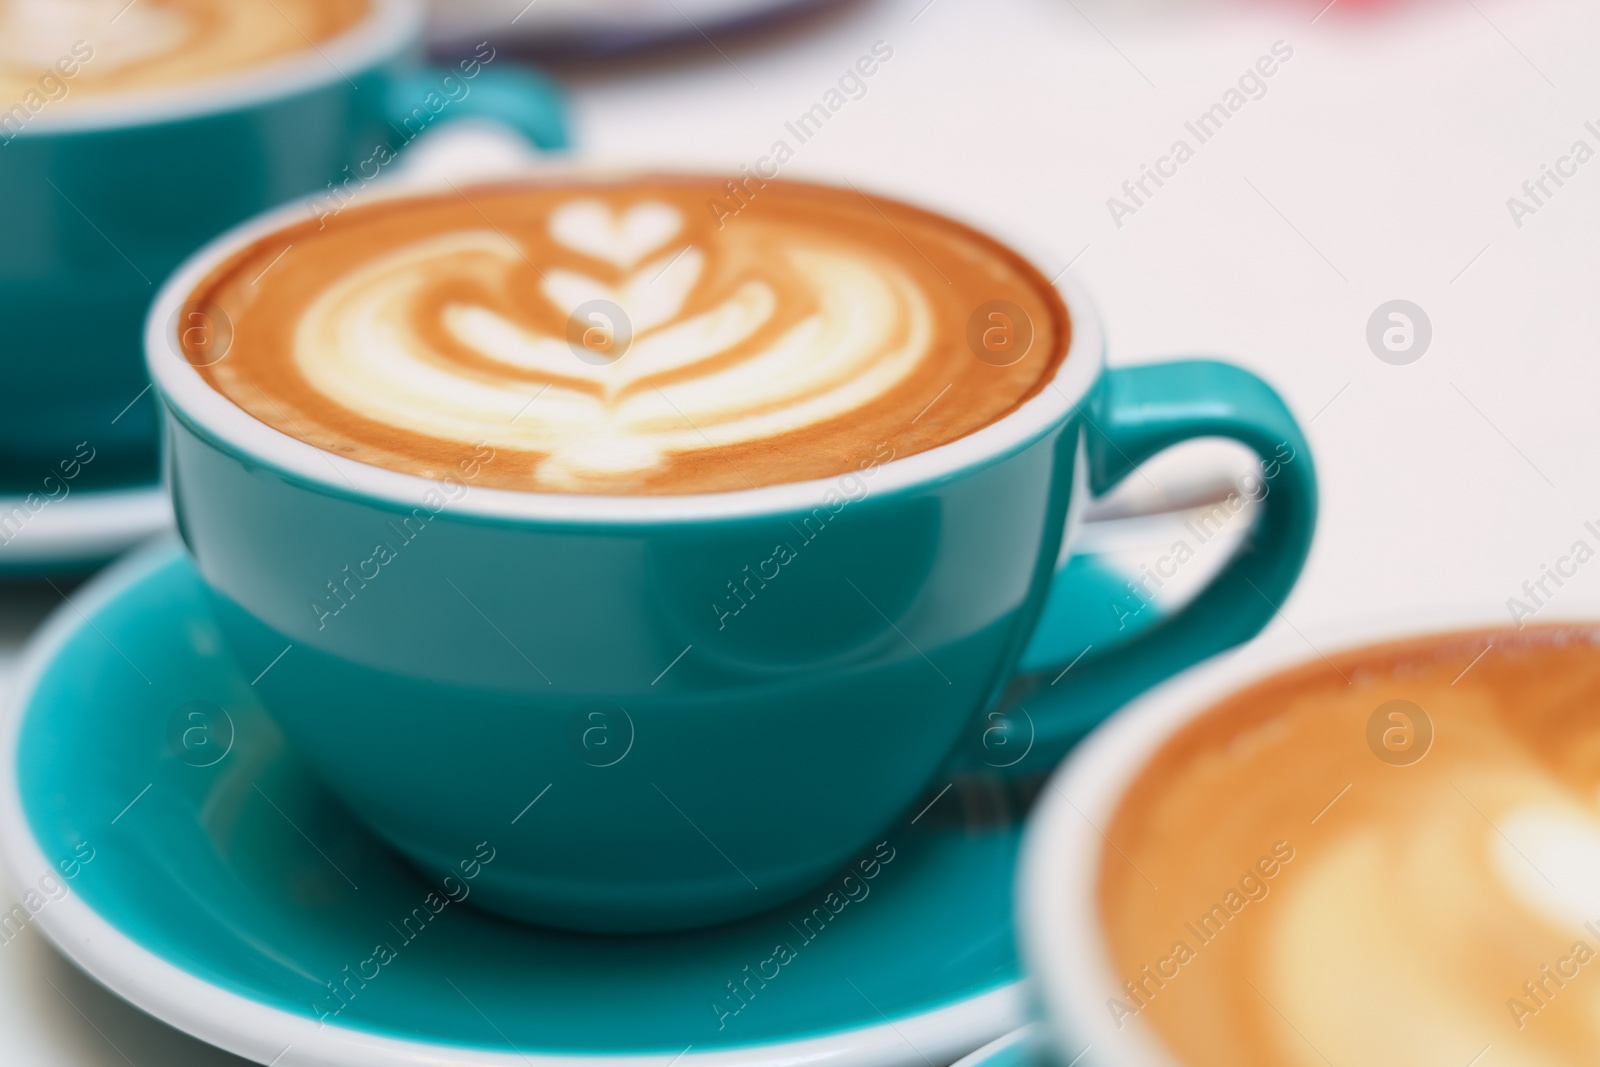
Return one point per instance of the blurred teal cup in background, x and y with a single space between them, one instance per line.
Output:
101 198
541 669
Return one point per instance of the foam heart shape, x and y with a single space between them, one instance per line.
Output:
590 227
1550 855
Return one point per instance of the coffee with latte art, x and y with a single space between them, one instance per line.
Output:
617 337
63 51
1389 858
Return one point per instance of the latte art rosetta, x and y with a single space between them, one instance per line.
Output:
121 47
613 339
817 335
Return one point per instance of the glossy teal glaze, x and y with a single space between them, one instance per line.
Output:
93 220
209 870
1020 1054
1068 620
488 660
442 670
1142 411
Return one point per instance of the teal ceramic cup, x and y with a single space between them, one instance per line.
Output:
101 199
652 724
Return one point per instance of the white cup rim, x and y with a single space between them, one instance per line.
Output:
194 400
389 27
1060 937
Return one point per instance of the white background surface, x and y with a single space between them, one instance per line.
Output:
1376 167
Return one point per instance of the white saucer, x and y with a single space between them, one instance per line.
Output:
1016 1049
79 532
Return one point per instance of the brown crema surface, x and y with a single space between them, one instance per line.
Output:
809 335
58 52
1321 903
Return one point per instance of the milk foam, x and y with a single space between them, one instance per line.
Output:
34 34
1548 855
611 336
151 43
1430 903
687 383
1439 908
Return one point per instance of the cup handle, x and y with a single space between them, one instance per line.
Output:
1064 689
517 96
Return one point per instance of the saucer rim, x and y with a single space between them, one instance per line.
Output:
246 1027
446 29
88 528
1026 1032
